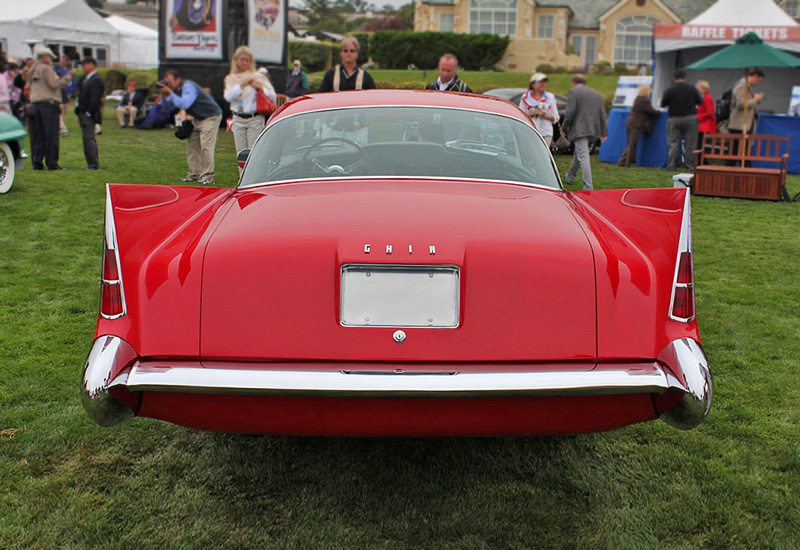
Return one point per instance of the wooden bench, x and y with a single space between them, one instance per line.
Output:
742 181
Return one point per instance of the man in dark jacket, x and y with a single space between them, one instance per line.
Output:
296 81
90 97
681 100
448 80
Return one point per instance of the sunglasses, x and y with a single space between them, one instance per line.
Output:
349 51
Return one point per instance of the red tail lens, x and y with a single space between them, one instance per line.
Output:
683 306
110 265
111 301
685 275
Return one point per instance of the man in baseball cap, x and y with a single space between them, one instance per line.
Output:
45 87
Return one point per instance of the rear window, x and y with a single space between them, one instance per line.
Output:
400 142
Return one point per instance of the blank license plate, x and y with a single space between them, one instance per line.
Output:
400 296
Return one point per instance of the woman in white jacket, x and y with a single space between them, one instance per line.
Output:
240 92
540 106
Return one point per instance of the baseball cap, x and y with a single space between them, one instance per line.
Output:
538 77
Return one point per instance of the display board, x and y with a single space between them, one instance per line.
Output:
193 29
626 89
266 29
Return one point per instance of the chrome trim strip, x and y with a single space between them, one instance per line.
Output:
108 356
195 378
110 240
684 245
690 373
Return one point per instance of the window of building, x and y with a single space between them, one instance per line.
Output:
445 22
591 50
493 16
633 40
585 46
545 26
791 8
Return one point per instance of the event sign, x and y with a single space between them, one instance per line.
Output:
266 29
794 103
725 32
626 89
193 29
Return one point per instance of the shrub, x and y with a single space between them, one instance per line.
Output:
561 69
113 79
145 82
399 49
412 85
313 55
384 84
545 68
314 83
621 68
601 67
608 100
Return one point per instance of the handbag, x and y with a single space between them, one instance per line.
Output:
184 130
264 105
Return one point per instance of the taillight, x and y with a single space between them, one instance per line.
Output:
112 295
682 304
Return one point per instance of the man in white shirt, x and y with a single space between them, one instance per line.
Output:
448 80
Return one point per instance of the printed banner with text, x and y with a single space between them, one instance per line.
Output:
266 36
194 29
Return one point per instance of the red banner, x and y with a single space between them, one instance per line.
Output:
725 32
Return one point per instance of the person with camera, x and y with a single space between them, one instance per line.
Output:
202 141
90 101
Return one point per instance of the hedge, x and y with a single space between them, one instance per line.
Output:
313 55
399 49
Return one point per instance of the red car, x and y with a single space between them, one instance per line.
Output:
397 263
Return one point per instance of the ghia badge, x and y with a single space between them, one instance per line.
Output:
390 249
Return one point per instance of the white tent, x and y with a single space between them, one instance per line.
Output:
138 45
717 27
73 26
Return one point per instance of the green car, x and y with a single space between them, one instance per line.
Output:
12 140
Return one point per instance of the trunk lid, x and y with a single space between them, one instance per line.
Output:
272 270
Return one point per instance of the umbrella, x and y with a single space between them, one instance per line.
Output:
748 51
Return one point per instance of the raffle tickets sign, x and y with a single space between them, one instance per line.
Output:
266 29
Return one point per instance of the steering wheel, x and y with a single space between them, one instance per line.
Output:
337 169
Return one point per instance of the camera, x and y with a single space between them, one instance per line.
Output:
161 84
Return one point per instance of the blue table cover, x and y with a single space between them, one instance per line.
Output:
782 125
652 149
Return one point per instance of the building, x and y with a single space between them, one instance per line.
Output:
569 33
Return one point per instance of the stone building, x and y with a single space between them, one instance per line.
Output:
569 33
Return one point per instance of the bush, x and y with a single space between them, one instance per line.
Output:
363 47
384 84
601 67
145 82
608 100
545 68
412 85
399 49
313 55
113 79
621 68
314 83
561 69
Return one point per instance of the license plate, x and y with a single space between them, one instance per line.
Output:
400 296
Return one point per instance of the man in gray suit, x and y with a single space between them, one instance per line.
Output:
585 119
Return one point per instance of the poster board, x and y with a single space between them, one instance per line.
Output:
266 30
193 29
626 89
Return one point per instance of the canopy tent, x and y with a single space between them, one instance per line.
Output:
73 27
138 45
719 26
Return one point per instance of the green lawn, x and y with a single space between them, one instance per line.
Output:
65 482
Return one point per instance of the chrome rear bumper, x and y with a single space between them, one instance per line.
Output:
112 363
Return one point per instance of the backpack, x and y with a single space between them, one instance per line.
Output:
723 106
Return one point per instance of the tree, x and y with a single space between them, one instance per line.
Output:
318 9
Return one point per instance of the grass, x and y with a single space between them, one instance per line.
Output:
732 482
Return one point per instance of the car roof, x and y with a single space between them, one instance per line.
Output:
396 98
